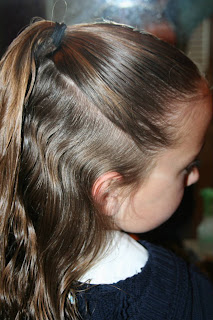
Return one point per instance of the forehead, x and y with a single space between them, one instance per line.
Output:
191 125
191 135
195 116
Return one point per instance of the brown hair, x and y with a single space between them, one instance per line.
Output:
100 102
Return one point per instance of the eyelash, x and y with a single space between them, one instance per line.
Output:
194 164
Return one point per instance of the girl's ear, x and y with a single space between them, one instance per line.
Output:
105 195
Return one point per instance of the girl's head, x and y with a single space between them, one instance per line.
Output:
175 168
85 123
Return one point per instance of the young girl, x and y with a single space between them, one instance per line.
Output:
100 128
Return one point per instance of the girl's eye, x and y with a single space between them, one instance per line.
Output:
194 164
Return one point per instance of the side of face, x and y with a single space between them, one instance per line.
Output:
158 197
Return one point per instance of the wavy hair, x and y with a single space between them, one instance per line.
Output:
102 101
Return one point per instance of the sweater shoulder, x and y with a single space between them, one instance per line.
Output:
161 290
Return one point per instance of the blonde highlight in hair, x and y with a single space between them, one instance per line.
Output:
96 104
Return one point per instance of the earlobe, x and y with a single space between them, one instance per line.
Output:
103 193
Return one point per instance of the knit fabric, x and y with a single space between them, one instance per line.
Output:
166 288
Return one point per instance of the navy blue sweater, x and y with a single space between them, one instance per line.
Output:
166 288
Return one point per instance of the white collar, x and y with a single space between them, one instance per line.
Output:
124 259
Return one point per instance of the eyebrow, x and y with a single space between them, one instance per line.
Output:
198 154
203 145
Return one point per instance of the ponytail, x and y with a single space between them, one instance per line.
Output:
19 261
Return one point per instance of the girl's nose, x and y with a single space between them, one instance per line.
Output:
192 177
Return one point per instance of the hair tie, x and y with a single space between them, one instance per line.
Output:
58 33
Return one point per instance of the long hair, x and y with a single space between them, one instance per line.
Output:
101 101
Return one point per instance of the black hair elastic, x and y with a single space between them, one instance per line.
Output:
58 33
